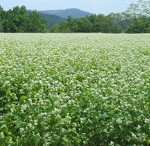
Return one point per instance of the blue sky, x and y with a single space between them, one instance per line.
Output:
93 6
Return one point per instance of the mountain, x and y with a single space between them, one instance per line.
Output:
51 19
55 16
73 12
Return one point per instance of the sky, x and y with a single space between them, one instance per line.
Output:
93 6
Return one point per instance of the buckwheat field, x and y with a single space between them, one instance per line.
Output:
74 89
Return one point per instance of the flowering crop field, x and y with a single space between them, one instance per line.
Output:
74 89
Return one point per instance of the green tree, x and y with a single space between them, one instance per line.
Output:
141 25
93 19
8 25
83 25
72 24
35 23
140 16
1 19
54 28
122 19
15 19
93 23
105 24
144 7
20 20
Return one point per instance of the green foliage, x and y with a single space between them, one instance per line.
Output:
122 19
142 7
74 89
1 13
92 23
135 19
36 23
140 25
19 20
51 19
1 27
140 15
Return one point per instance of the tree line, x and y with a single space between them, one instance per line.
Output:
136 19
92 23
19 19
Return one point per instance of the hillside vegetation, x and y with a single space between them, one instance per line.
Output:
73 12
136 19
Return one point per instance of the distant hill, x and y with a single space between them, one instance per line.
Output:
73 12
51 19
